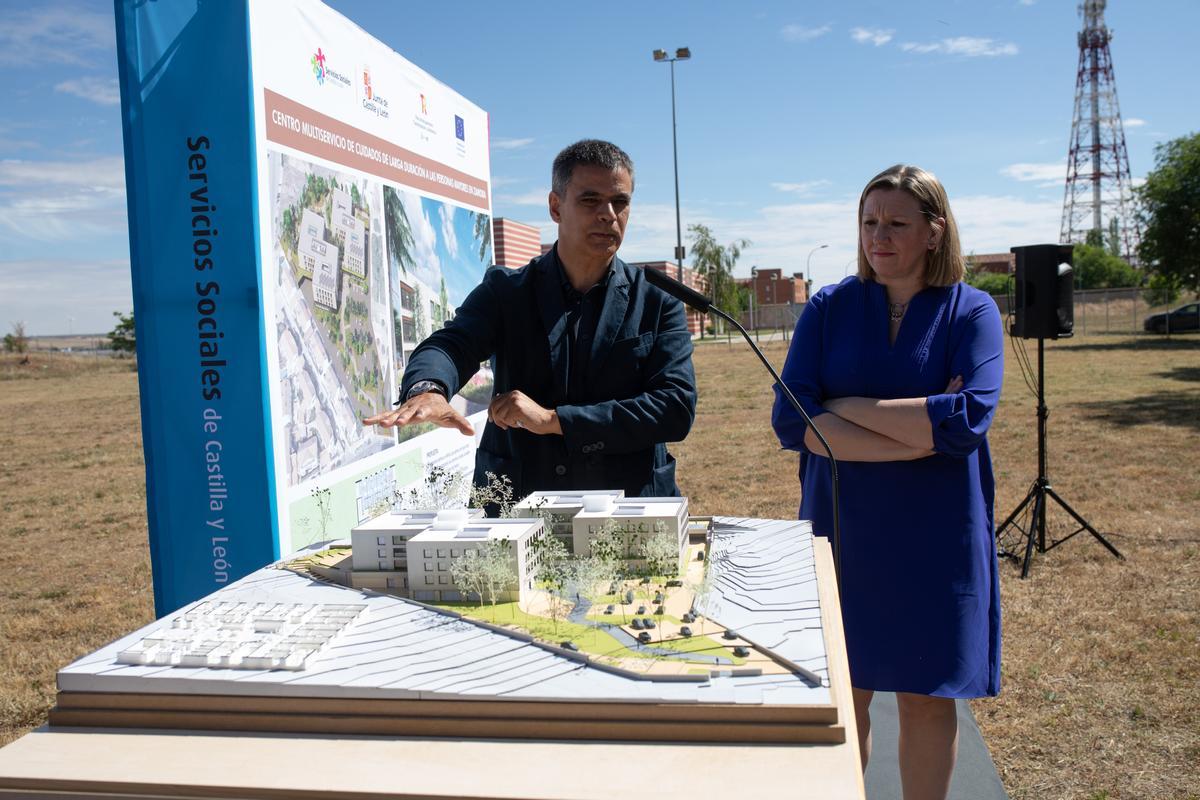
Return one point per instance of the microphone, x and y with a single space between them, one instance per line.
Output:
702 304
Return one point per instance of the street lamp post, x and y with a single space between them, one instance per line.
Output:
681 54
808 261
753 292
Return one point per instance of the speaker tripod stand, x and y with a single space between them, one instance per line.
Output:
1041 491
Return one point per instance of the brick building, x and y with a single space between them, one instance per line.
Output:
999 263
516 244
691 279
771 287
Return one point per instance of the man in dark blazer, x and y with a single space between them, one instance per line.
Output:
593 366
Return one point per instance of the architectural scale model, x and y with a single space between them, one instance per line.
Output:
732 649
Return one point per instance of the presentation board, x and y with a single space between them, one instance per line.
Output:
305 206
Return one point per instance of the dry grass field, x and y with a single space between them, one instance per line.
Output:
1101 670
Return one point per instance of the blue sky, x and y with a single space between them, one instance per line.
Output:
785 110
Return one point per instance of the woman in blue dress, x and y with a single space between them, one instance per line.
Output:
900 367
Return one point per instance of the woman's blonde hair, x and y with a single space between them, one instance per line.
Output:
944 266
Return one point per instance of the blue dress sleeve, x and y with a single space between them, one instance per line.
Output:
802 375
960 420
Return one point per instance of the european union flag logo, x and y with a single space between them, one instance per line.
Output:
460 130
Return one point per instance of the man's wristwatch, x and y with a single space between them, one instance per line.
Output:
421 387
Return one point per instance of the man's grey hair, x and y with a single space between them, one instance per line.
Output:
587 153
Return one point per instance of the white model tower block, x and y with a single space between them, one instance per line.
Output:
638 518
559 510
432 553
381 544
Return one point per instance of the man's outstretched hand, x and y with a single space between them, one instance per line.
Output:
427 407
516 409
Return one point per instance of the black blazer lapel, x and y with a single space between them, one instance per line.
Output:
553 312
616 303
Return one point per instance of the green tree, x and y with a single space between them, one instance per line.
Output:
399 231
122 338
17 341
716 263
1170 213
1097 268
1113 239
481 224
990 282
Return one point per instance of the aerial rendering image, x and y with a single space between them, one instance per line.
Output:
331 316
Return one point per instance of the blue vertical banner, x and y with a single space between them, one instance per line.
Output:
305 205
190 166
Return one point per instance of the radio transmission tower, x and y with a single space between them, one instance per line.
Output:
1099 192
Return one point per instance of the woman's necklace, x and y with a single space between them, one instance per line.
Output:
896 311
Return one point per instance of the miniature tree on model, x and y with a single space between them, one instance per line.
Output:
552 574
496 496
662 560
497 569
470 573
608 546
702 595
589 579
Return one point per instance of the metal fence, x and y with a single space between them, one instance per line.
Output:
1099 311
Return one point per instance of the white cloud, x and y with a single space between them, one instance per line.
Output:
801 33
55 35
875 36
102 173
423 233
801 188
61 200
58 296
446 214
534 197
1133 122
1053 173
971 46
993 224
103 91
511 144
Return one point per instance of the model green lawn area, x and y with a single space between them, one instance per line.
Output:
589 640
592 641
700 645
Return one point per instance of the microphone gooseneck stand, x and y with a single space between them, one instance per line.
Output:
704 305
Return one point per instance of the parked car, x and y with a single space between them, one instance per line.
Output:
641 610
685 631
1184 318
649 623
636 624
741 652
569 645
689 617
644 637
608 610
